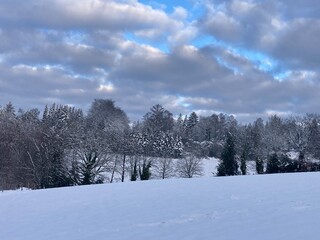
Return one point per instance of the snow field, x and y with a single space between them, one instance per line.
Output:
280 206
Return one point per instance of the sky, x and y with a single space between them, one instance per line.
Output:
248 58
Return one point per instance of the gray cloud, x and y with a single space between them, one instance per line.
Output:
299 47
215 87
72 52
86 14
286 30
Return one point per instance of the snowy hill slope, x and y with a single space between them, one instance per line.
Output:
282 206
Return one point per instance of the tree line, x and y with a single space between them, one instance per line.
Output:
65 147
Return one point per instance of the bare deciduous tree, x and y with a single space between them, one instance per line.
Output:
189 166
163 168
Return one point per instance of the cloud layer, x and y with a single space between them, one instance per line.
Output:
242 57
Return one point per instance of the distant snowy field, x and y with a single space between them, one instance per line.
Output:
210 167
280 206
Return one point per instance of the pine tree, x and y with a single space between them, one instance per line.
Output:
145 173
158 120
178 128
314 138
259 165
9 111
273 164
134 172
228 165
221 170
243 163
190 125
192 120
45 114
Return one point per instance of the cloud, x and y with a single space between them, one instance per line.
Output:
204 84
285 30
86 14
261 57
298 46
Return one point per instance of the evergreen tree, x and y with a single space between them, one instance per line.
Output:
228 165
9 110
145 173
158 120
259 165
134 173
275 134
243 163
221 170
273 164
257 136
192 120
288 165
190 125
314 137
45 113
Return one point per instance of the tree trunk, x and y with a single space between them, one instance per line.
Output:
113 170
123 167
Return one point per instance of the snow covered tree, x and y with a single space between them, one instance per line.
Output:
58 128
297 135
191 124
9 149
244 145
216 128
178 127
275 134
314 135
125 148
100 137
30 165
192 120
140 161
67 148
158 120
165 147
257 140
288 165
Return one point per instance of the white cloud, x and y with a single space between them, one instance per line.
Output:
106 88
183 36
180 13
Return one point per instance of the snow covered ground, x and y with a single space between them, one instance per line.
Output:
210 167
280 206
